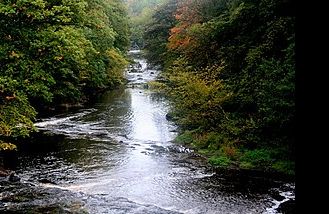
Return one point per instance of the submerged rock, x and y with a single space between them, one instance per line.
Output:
7 175
287 207
20 197
46 181
3 173
169 117
13 178
276 195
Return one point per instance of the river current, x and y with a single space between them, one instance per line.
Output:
118 157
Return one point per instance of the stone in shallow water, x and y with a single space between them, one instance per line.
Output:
276 195
29 198
13 178
3 172
46 181
287 207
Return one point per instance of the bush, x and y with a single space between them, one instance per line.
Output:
285 166
185 138
7 146
221 161
197 99
258 157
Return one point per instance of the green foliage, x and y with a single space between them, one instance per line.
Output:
54 52
258 157
230 74
7 146
285 166
157 32
140 13
136 7
221 161
185 138
16 114
197 99
116 64
156 86
267 159
117 13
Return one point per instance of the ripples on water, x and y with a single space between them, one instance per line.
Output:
117 157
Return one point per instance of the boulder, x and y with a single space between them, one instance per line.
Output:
287 207
13 178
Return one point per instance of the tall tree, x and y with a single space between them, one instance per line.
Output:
157 33
56 52
232 80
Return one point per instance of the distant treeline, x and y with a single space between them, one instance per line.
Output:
140 12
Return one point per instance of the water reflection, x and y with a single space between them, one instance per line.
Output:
119 156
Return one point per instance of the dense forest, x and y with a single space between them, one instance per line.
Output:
56 52
229 70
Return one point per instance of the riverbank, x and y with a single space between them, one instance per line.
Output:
218 148
259 162
119 155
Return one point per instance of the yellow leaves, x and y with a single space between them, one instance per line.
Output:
117 59
10 97
7 146
157 86
13 54
58 58
198 100
5 130
8 37
99 26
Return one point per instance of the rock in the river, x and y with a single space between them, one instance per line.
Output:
169 117
7 175
46 181
276 195
287 207
13 178
3 173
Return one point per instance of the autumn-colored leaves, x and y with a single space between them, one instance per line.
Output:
186 15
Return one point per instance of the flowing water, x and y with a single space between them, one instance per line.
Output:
118 157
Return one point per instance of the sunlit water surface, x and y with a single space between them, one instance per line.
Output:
118 157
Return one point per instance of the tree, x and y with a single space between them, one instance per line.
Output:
140 13
55 52
157 33
247 46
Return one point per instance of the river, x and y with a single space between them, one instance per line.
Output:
118 157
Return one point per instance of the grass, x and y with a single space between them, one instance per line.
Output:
221 161
221 153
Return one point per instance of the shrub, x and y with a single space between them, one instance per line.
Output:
221 161
258 157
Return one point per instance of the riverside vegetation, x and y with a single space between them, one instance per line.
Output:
56 52
228 68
